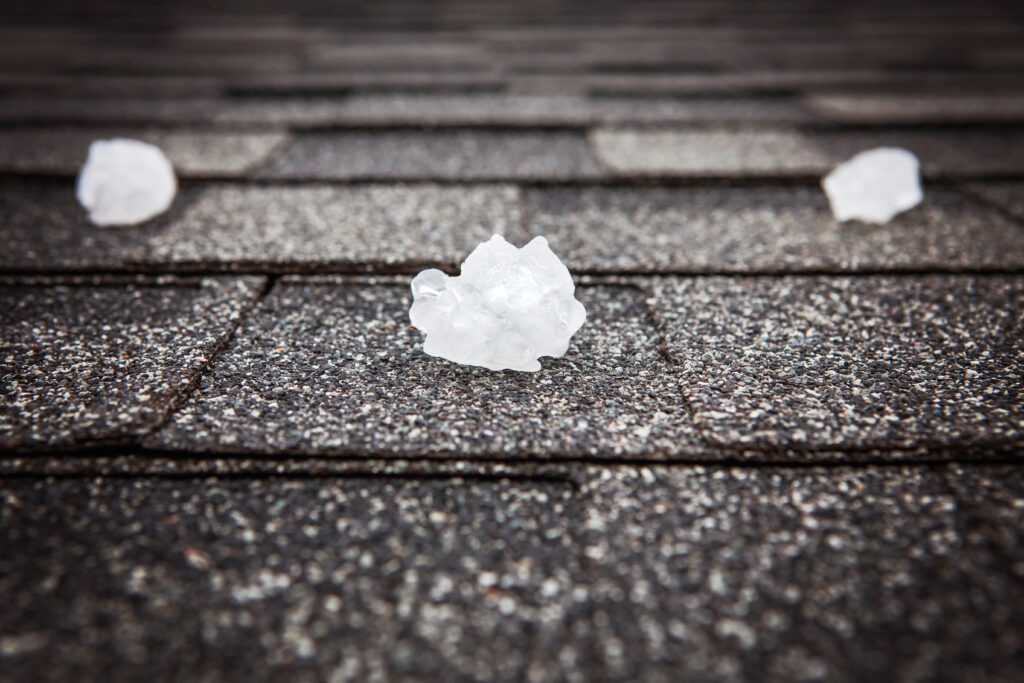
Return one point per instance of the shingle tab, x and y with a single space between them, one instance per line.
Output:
849 363
762 230
45 229
933 108
102 361
717 152
62 151
503 110
99 109
792 574
1008 195
336 368
257 579
366 227
781 153
447 155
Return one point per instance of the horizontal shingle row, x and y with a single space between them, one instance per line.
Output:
530 154
797 368
401 227
640 573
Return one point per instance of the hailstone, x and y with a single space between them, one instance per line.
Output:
125 182
874 185
508 308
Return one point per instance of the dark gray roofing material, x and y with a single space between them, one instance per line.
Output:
335 368
249 478
849 363
102 361
634 573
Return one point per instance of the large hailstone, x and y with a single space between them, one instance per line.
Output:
124 182
874 185
508 307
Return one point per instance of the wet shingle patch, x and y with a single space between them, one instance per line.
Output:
440 155
364 227
762 229
62 151
803 574
102 361
868 362
329 367
257 579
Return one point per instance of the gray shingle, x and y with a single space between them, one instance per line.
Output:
259 579
903 108
366 227
502 110
951 153
102 361
850 363
334 83
739 152
802 574
448 155
106 109
1008 195
716 152
762 229
44 228
336 368
62 151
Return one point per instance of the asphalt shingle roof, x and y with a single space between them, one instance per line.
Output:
781 448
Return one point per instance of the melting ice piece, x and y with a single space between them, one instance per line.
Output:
124 182
874 185
508 307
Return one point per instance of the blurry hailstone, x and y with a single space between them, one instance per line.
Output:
124 182
874 185
508 308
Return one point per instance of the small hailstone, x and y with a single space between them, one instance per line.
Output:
508 307
874 185
124 182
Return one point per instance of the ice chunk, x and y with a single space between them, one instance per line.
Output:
874 185
508 308
124 182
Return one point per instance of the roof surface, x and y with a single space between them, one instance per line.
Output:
781 448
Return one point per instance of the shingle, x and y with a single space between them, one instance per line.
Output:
849 363
795 80
256 579
801 574
365 227
762 230
44 228
738 152
899 108
98 109
101 361
334 83
62 151
111 86
447 155
714 152
502 110
1008 195
952 153
330 367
